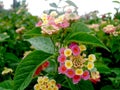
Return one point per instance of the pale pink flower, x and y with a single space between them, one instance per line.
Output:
64 24
62 69
61 51
109 29
61 58
86 75
76 79
39 24
70 73
75 50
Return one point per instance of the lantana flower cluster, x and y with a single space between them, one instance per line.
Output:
53 22
109 29
76 65
44 83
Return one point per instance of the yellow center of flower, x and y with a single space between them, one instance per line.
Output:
79 71
68 64
78 61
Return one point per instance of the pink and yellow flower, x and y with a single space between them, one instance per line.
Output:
75 64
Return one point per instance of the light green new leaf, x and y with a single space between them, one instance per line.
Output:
26 68
42 43
82 37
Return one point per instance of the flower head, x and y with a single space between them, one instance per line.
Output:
44 83
6 71
74 63
109 29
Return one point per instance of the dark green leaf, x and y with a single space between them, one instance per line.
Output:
53 5
85 85
42 43
26 68
6 85
71 3
102 68
107 87
86 38
79 27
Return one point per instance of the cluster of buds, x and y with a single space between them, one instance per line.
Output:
6 71
44 83
76 65
52 23
41 67
109 29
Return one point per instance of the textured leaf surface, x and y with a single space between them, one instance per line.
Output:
79 27
6 85
27 67
86 38
42 43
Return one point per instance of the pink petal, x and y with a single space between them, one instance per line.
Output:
61 58
76 79
62 69
70 73
76 50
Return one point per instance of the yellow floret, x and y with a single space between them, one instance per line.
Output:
68 64
79 71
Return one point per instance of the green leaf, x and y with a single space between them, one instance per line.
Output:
3 37
34 32
79 27
107 87
116 2
53 5
71 3
82 37
26 68
42 43
84 85
102 68
6 85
